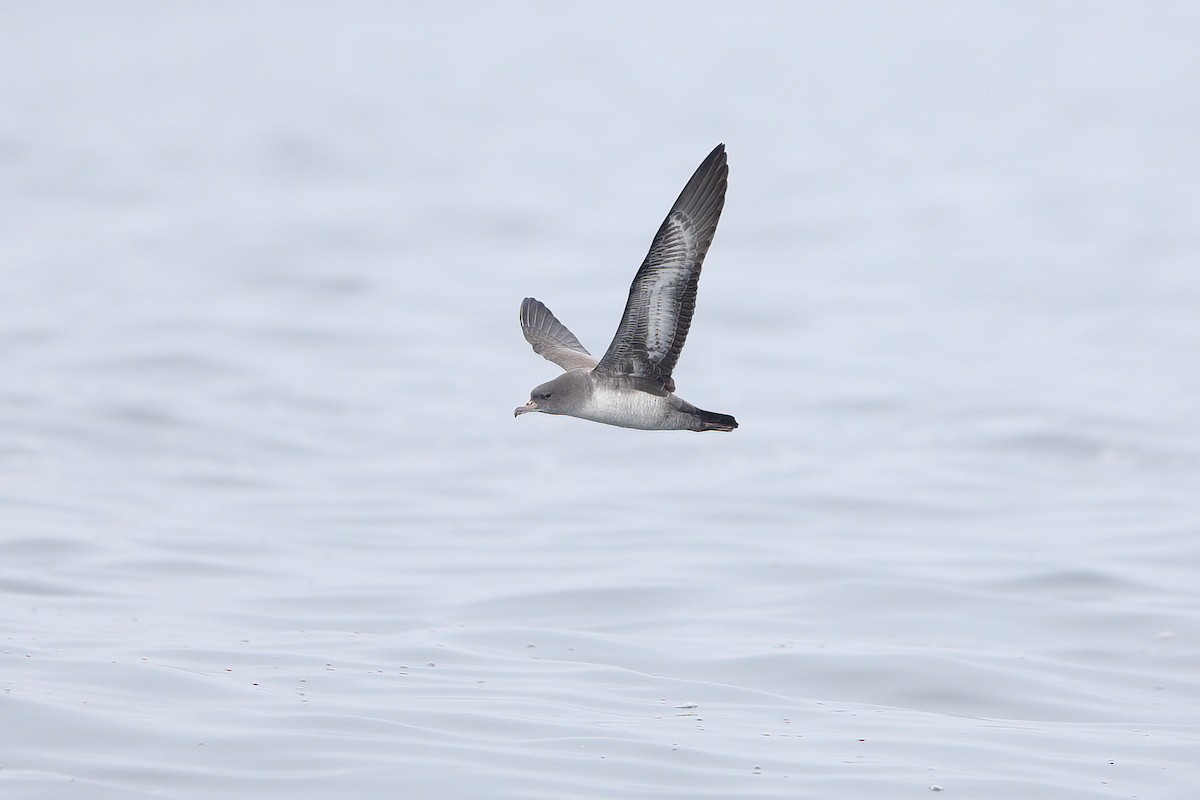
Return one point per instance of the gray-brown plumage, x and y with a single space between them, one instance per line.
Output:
550 338
632 384
662 298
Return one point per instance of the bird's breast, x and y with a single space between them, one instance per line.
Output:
630 408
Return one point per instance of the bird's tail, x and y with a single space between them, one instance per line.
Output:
712 421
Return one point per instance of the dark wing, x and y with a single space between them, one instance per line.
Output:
663 295
551 339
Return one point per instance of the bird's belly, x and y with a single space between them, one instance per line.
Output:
632 409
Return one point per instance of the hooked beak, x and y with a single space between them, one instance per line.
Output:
525 409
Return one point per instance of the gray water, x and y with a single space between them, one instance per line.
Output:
269 529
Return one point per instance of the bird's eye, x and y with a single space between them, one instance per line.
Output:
547 395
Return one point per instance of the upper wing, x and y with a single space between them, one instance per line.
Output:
663 295
551 339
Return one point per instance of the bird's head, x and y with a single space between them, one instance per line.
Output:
559 396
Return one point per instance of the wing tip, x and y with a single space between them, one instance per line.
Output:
706 188
527 305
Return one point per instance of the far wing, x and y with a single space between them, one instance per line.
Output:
551 339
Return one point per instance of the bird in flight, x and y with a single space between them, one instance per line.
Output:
631 385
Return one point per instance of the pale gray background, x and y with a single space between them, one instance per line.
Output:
269 529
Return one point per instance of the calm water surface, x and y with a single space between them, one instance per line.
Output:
269 529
